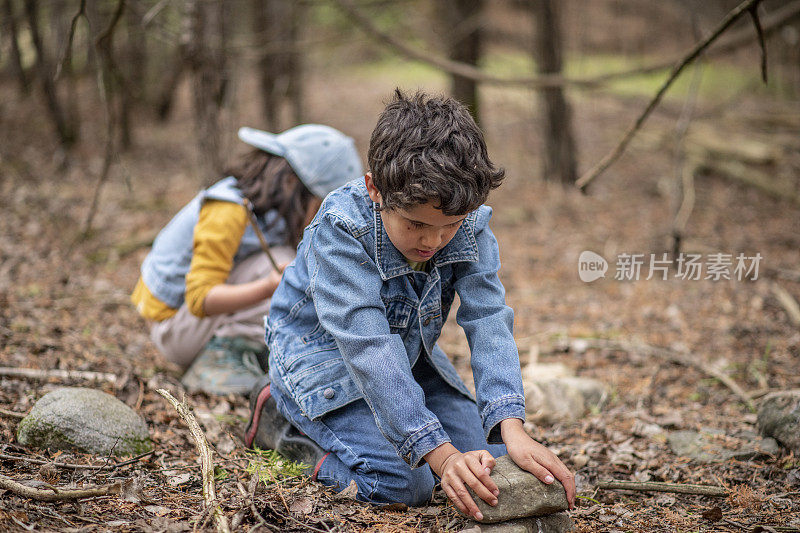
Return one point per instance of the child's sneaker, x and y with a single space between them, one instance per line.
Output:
226 365
269 430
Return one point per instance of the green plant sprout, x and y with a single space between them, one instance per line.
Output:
269 466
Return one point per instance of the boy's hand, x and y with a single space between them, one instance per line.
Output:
536 458
459 469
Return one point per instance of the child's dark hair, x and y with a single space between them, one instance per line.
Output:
430 149
269 182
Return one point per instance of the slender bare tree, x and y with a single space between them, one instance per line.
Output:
464 45
66 131
207 62
15 63
559 144
276 25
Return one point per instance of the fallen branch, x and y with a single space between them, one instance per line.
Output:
74 466
673 356
206 460
35 373
735 40
54 494
747 175
608 160
458 68
655 486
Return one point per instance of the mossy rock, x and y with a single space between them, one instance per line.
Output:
84 420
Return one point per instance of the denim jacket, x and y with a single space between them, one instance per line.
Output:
165 267
347 322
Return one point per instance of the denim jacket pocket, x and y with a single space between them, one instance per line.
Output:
399 310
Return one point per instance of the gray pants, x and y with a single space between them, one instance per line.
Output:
181 337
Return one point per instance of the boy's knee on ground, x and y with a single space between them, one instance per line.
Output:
412 487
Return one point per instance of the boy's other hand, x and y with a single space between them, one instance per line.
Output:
460 469
536 458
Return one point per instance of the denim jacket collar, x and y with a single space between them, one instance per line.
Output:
391 263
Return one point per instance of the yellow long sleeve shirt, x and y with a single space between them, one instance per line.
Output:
217 235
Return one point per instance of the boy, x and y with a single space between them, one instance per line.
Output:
352 329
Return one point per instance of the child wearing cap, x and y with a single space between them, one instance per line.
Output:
354 367
205 285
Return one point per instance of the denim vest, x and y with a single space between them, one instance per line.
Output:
165 267
349 322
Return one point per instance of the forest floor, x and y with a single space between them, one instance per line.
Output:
64 305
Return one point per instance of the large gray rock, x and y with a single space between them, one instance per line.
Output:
714 446
779 417
521 494
552 523
85 420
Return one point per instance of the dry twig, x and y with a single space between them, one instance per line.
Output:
55 494
65 375
12 414
787 301
206 460
693 54
656 486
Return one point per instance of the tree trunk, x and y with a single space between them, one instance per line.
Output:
16 56
276 25
294 65
560 153
178 64
65 131
465 45
62 20
207 62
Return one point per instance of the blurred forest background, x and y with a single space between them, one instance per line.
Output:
113 113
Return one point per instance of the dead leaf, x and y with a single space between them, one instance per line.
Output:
157 510
179 479
349 493
131 490
432 510
713 514
302 506
398 506
665 500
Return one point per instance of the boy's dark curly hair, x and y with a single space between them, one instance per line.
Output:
427 149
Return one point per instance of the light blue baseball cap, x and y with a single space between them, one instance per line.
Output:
323 158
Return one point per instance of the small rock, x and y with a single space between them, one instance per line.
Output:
552 523
713 446
643 429
85 420
779 417
553 394
580 460
521 494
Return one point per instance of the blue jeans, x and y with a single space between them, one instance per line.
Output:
360 452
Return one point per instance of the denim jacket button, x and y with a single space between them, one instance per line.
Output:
426 321
329 393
